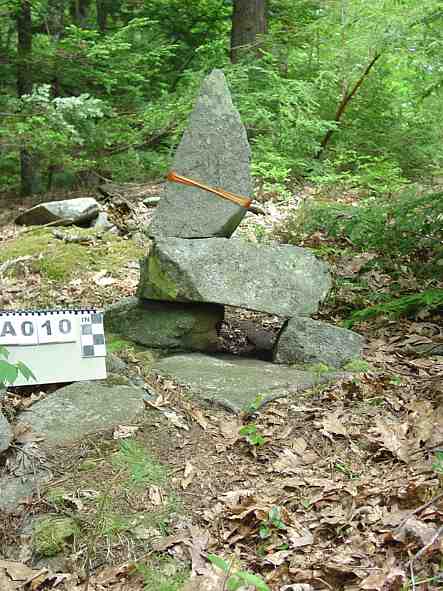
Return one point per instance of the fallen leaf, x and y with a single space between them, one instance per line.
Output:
124 431
414 529
189 473
333 423
175 419
393 436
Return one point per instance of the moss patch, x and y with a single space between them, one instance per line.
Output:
52 533
59 260
163 286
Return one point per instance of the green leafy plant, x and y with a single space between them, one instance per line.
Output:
142 468
10 371
438 462
251 434
238 578
273 522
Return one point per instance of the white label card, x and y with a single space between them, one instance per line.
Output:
36 329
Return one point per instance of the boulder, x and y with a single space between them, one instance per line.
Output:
68 212
166 325
284 280
236 382
81 409
303 340
215 151
5 433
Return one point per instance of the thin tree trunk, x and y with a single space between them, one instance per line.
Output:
102 9
344 103
249 21
28 178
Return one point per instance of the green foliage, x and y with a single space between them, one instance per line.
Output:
431 299
142 468
391 225
438 463
238 578
163 575
10 371
251 434
52 533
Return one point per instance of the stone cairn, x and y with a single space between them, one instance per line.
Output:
193 268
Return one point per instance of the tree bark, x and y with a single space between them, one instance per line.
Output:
28 177
249 21
102 9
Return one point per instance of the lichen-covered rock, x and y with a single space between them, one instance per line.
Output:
303 340
283 280
81 409
166 325
69 211
236 382
5 433
215 151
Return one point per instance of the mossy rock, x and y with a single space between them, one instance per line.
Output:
51 534
60 260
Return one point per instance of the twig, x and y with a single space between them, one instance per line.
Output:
66 222
429 544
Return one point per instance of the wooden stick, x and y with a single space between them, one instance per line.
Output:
232 197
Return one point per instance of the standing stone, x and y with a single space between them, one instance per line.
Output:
303 340
283 280
215 151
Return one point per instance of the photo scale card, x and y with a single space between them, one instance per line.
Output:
57 345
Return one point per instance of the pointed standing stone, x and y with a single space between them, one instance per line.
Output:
215 151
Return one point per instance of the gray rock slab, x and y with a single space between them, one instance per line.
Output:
283 280
166 325
303 340
215 151
80 210
81 409
101 222
15 490
5 433
235 382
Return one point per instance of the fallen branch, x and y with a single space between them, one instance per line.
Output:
76 238
12 262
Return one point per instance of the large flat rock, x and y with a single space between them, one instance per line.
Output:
81 409
166 325
215 151
283 280
233 381
68 211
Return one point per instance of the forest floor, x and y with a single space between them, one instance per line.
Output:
340 488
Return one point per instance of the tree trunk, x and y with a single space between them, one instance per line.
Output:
28 177
248 23
79 11
102 9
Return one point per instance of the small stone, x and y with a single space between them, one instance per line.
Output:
303 340
67 212
101 222
166 325
283 280
215 151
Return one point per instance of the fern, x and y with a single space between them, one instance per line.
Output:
431 299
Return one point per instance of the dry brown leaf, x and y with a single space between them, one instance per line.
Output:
176 420
333 423
288 462
413 528
393 436
393 580
197 548
189 474
124 431
200 418
155 495
230 430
